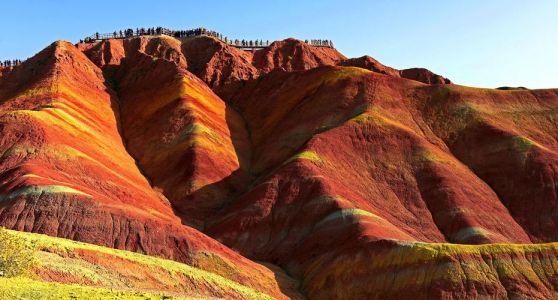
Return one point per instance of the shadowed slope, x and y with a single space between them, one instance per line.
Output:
181 134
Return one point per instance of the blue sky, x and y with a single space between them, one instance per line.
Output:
477 43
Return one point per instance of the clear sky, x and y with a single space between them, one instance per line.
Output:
484 43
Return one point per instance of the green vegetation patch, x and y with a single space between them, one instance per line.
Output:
25 288
469 232
464 110
17 256
347 214
197 129
37 190
76 268
523 144
306 155
429 155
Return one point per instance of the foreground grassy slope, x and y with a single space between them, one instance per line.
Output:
24 288
66 268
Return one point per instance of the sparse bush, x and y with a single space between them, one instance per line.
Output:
17 257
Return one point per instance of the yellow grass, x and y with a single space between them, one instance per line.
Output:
70 263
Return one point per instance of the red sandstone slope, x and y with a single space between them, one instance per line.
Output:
344 113
65 171
217 63
347 157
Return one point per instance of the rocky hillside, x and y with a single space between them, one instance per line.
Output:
355 179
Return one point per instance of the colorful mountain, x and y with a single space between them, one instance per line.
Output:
288 171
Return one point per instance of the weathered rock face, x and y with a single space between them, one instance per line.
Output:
356 180
424 76
218 64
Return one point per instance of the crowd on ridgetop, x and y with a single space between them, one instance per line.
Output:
182 34
324 43
126 33
10 63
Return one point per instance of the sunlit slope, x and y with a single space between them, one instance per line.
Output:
57 132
